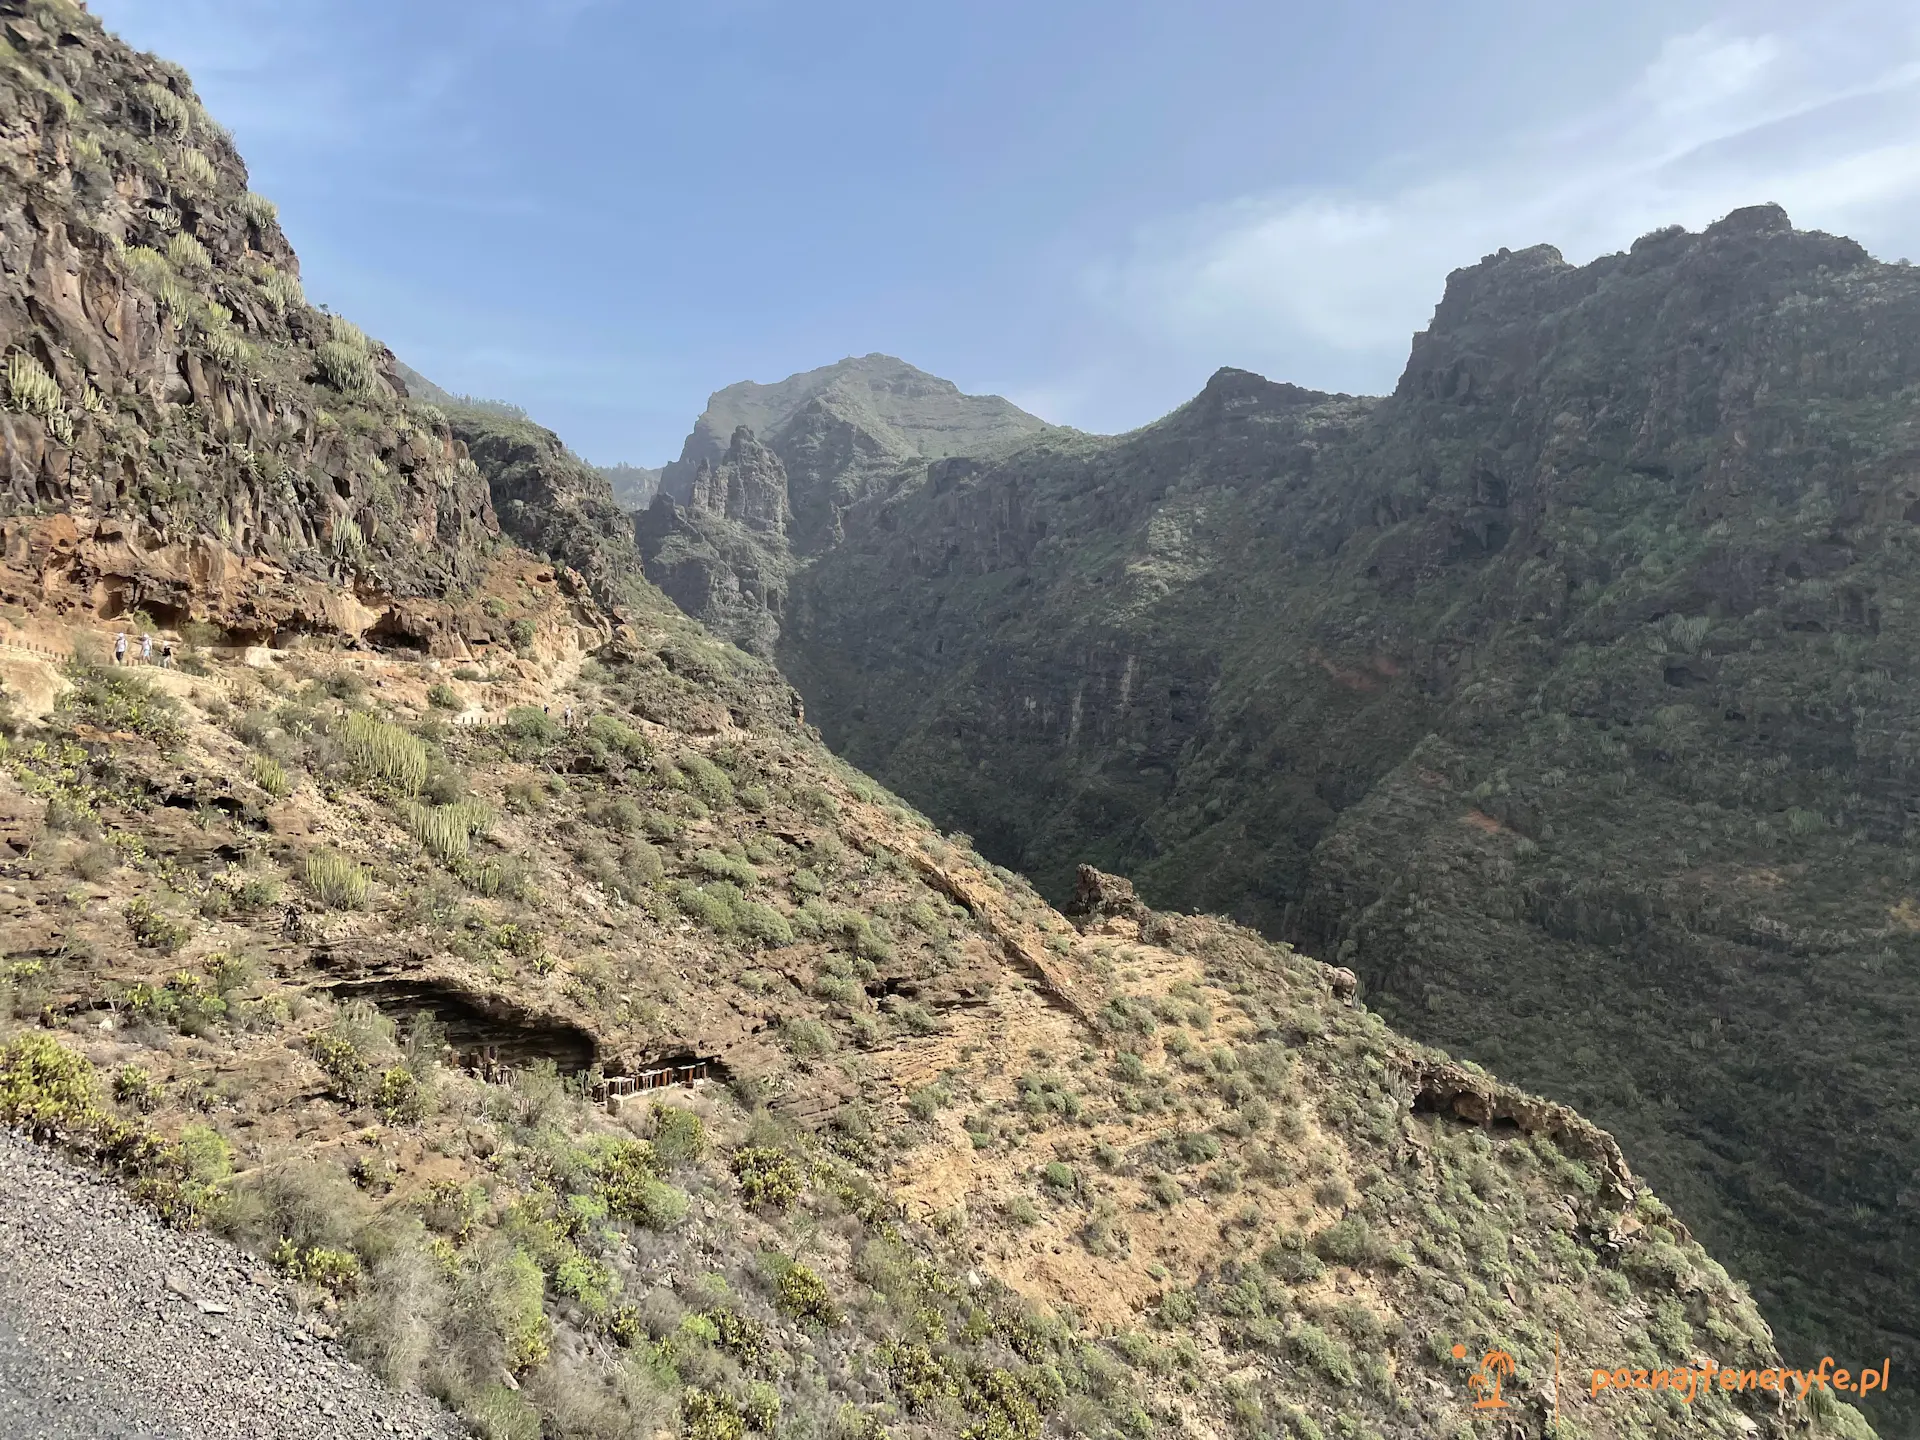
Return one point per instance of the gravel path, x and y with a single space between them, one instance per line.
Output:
113 1327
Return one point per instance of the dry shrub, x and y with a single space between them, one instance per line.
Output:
585 1400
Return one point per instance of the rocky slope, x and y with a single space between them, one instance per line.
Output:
821 440
1587 653
584 1045
199 428
117 1326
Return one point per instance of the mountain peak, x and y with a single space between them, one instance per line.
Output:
879 404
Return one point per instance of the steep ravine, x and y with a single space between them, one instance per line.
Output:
1566 694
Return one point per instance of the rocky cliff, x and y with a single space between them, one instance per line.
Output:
837 434
208 445
1566 694
722 551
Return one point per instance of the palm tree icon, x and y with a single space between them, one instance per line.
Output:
1495 1365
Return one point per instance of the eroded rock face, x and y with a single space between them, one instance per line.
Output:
721 553
168 385
1558 696
732 520
555 504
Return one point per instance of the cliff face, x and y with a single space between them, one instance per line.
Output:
553 502
722 552
1566 694
836 434
182 432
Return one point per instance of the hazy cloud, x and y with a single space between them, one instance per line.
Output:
1823 121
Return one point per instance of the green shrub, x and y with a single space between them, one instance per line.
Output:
761 922
206 1155
184 252
443 696
118 700
520 635
283 290
384 753
1352 1241
228 972
742 1337
726 867
928 1101
711 905
525 796
400 1099
709 1415
154 930
259 210
336 881
627 1182
45 1088
1313 1346
318 1266
761 1407
168 108
30 389
678 1135
662 1206
271 776
341 1062
767 1176
350 371
133 1087
532 724
1006 1411
803 1295
1289 1258
805 1038
446 830
183 1002
708 780
1196 1147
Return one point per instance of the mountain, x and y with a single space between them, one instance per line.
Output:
1566 694
834 434
502 959
838 419
634 486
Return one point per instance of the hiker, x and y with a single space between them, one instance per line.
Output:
120 648
166 656
146 649
569 717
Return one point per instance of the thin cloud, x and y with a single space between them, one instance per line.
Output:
1338 278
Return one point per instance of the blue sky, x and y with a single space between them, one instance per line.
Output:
604 210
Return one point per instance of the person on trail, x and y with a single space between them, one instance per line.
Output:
166 656
120 648
146 649
569 717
